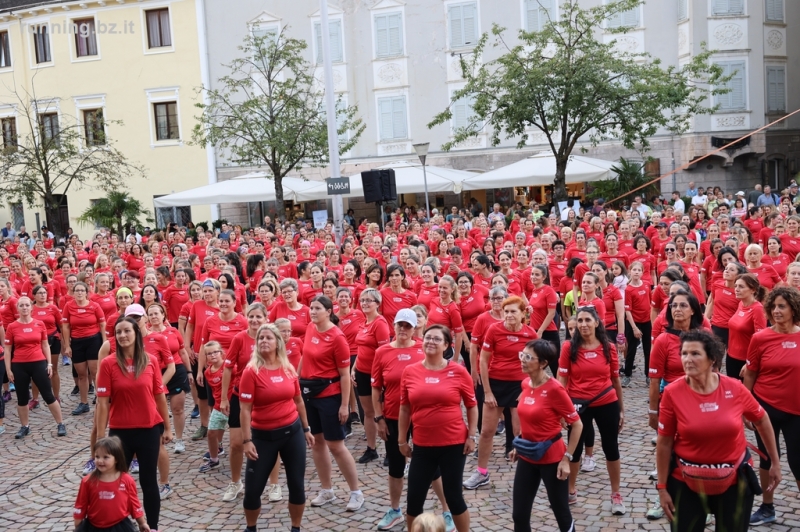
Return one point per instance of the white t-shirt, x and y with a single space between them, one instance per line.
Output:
700 200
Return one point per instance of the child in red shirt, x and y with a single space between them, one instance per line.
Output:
218 421
108 496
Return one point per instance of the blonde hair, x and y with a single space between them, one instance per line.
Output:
257 361
428 522
211 346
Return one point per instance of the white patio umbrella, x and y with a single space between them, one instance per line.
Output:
409 179
540 170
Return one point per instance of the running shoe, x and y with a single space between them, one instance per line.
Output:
390 520
65 360
91 387
207 456
618 504
356 501
324 497
354 418
82 408
588 464
165 492
34 403
626 381
348 430
2 429
405 470
89 467
134 466
62 430
180 447
75 391
653 475
6 396
765 514
501 427
195 412
275 493
22 432
449 524
476 480
11 387
572 498
368 456
709 519
233 490
654 441
208 466
200 433
656 512
386 461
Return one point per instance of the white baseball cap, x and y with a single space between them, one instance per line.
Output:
406 315
740 193
135 310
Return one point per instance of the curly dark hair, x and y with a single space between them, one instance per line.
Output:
792 297
714 348
576 342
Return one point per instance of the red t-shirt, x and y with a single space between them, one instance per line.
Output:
200 312
449 315
505 347
744 323
174 298
50 316
637 302
387 373
665 358
214 380
299 318
598 304
83 321
725 304
272 393
557 271
324 353
174 342
237 357
780 263
707 427
294 351
774 357
767 275
611 295
590 374
8 311
133 404
543 300
540 411
472 306
392 302
790 244
648 262
223 331
107 503
434 398
26 340
482 325
351 324
156 346
107 303
370 337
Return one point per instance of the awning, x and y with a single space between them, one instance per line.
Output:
540 170
245 188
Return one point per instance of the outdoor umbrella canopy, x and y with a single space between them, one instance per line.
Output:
409 179
249 187
540 170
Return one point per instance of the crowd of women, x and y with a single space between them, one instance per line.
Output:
435 336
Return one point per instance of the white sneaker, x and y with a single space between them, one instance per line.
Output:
356 501
588 464
324 497
180 447
233 491
618 504
653 474
275 493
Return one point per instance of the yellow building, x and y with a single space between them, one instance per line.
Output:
139 62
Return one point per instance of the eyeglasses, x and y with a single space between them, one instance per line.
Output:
287 292
680 305
669 249
433 340
525 357
496 298
367 300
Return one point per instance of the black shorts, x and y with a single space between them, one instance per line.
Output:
506 392
234 420
323 417
55 345
201 390
85 349
363 384
179 382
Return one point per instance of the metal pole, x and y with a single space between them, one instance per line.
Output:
427 202
330 106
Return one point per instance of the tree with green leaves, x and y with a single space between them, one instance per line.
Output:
269 111
628 175
59 153
117 211
566 83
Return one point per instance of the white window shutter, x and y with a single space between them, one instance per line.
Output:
399 117
381 36
532 22
318 40
395 33
630 18
736 98
683 9
776 89
736 7
615 20
775 10
460 110
385 111
469 14
456 26
337 49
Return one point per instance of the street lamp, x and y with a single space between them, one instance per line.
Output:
422 153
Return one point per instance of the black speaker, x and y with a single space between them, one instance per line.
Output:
371 181
388 185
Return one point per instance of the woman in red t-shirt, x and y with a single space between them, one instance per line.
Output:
396 293
444 310
614 319
427 288
748 319
374 333
775 256
722 302
589 370
221 328
543 403
273 423
771 374
351 320
131 402
200 312
700 424
83 327
49 314
473 302
591 294
543 301
314 288
102 296
291 308
26 338
431 396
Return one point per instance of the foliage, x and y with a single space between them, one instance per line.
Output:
46 162
629 175
217 224
566 83
269 111
117 210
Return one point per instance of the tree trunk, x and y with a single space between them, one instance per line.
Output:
53 216
560 181
281 214
120 229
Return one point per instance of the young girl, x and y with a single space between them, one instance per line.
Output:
108 496
218 421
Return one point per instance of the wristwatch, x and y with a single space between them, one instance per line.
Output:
246 441
306 429
378 419
567 455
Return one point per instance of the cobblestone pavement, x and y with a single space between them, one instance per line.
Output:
40 477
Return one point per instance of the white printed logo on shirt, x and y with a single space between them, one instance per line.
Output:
709 407
590 354
276 379
789 345
106 495
431 380
403 357
247 396
512 339
529 400
314 340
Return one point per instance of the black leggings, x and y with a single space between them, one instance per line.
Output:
789 424
397 462
2 377
425 463
633 343
292 450
526 484
733 367
607 419
731 509
24 373
144 444
554 338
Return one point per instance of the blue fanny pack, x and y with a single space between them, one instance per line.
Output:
533 450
